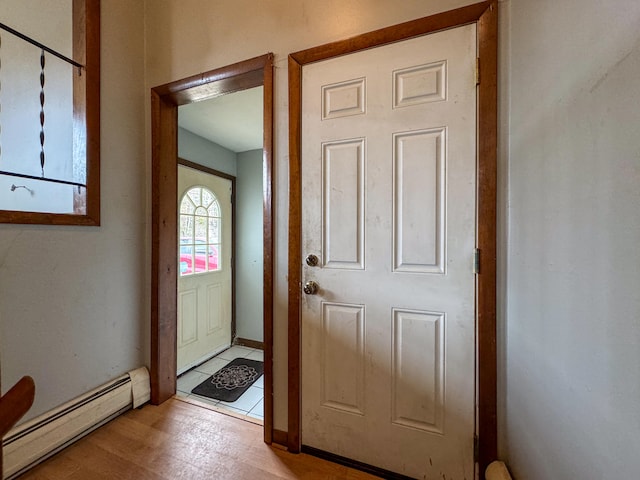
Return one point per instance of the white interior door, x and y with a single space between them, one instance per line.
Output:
204 258
389 191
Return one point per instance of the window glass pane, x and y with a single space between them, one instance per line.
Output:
214 230
194 194
214 255
186 229
201 211
187 205
185 260
200 259
201 229
214 209
207 198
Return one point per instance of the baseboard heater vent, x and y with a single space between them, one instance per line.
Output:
38 439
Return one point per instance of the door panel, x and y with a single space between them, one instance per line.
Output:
388 206
188 315
342 359
204 299
343 206
418 361
419 182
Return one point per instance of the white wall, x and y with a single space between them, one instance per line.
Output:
72 299
573 315
249 246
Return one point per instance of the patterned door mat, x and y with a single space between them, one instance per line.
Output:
231 381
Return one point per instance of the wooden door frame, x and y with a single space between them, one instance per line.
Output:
217 173
165 100
485 16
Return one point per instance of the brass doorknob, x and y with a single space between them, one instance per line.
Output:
310 288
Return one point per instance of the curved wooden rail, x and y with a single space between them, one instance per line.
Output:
13 405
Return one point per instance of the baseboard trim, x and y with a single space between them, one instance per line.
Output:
347 462
245 342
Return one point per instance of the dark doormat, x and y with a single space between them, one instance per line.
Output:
231 381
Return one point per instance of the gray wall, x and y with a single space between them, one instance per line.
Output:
205 152
249 246
73 299
572 367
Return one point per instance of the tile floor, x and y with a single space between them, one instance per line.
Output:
250 404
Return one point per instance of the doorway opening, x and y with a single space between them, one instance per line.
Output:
220 294
240 77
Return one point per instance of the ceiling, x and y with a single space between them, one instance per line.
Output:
233 121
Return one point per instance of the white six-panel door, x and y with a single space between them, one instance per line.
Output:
204 299
388 187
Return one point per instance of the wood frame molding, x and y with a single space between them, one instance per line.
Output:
86 124
485 16
14 405
280 438
165 100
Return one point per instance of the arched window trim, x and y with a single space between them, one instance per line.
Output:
199 210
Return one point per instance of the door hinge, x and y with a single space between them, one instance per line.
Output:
476 261
476 448
478 71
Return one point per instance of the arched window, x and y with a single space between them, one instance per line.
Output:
200 232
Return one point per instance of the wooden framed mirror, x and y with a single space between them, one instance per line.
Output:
50 112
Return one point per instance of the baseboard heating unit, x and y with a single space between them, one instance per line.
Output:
38 439
497 470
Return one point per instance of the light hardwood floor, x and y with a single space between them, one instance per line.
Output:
179 440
